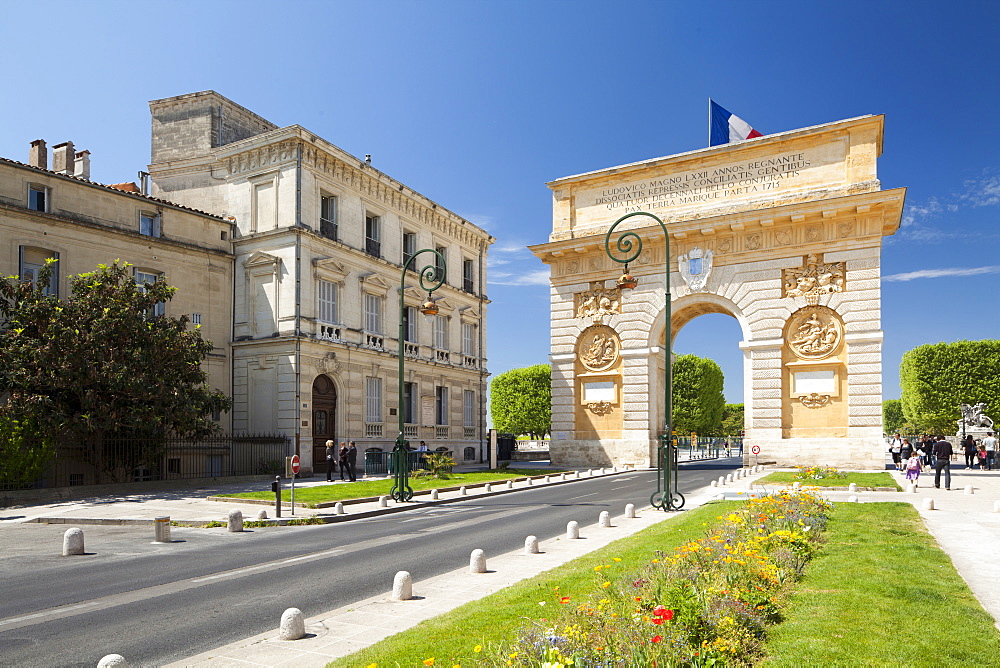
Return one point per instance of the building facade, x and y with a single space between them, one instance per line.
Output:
781 232
320 240
61 214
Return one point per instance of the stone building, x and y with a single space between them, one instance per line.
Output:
320 242
60 213
781 232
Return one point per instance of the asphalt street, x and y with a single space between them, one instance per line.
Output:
159 603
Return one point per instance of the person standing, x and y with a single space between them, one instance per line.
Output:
352 459
942 460
342 457
895 447
991 450
913 468
969 450
330 463
905 450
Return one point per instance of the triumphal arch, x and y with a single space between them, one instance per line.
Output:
781 232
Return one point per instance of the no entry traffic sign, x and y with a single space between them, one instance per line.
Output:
295 463
755 449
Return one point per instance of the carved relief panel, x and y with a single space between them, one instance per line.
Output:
598 301
814 278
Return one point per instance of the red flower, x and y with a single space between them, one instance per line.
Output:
564 600
656 639
662 614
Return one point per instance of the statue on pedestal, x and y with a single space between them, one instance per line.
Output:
974 417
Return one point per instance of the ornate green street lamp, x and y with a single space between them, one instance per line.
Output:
666 496
431 278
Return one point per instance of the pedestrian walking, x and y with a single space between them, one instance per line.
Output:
969 450
991 450
331 463
352 459
895 449
342 458
981 456
942 461
913 467
905 450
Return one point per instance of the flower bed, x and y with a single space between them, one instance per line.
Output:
711 601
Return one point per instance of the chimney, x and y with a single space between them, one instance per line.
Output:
81 166
38 155
62 158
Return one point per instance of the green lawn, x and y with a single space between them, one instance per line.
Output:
452 637
879 593
361 489
880 479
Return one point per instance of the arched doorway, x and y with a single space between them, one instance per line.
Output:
324 402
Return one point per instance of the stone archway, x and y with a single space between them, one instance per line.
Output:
324 424
783 233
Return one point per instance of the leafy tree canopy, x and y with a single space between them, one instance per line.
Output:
937 378
521 400
732 420
892 416
697 395
99 362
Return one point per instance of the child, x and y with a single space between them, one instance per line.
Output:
981 455
913 468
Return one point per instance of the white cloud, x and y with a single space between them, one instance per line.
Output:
483 221
512 248
540 277
940 273
982 192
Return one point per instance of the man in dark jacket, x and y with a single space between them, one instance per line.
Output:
942 460
352 460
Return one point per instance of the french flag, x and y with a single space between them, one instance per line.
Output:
725 127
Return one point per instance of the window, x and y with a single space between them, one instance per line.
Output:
468 271
441 332
32 263
373 235
468 339
196 318
441 405
373 313
409 246
328 216
409 403
327 301
410 324
373 400
439 263
143 279
469 408
38 198
149 224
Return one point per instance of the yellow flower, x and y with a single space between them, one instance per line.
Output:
479 648
429 662
616 559
606 584
372 665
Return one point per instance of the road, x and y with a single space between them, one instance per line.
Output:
160 603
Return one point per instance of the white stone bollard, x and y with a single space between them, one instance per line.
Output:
489 487
911 488
548 478
853 487
383 502
572 530
161 530
462 491
510 484
338 509
604 520
996 506
729 478
797 485
968 489
72 542
293 625
402 586
434 495
720 497
477 561
630 511
112 661
234 522
852 499
722 480
262 515
530 482
614 468
577 474
590 473
602 470
714 483
928 504
531 545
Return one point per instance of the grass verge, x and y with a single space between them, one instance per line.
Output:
880 479
310 496
490 622
881 593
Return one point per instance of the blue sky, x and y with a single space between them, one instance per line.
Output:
478 104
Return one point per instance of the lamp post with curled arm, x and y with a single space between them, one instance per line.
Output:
627 248
431 277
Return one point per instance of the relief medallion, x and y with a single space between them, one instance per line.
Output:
815 333
598 348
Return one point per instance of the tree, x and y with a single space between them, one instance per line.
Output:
521 400
892 416
732 420
102 362
25 452
697 395
937 378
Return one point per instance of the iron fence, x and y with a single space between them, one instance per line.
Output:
118 460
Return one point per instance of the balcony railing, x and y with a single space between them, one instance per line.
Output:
374 341
467 285
373 247
469 432
411 431
328 229
470 362
441 431
373 430
442 356
329 332
411 349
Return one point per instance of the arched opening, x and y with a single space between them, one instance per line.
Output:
324 402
